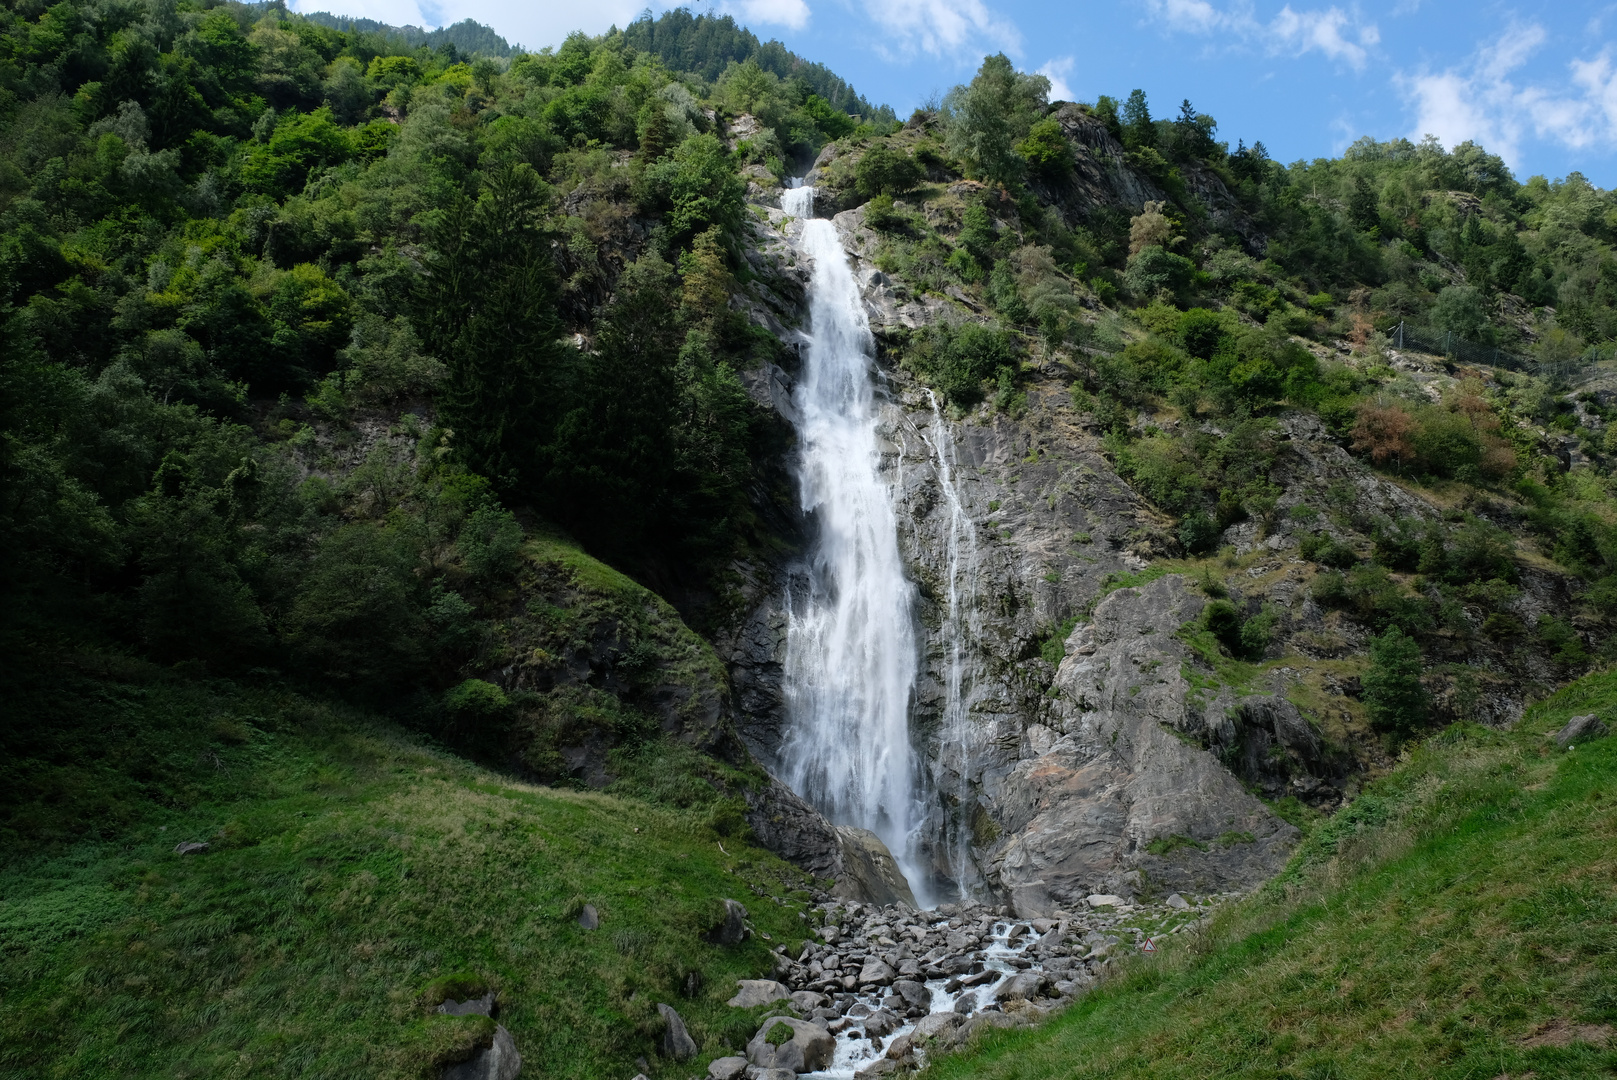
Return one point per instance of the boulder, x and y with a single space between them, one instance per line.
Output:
807 1000
869 871
676 1041
497 1061
881 1023
808 1049
1024 986
1105 900
589 918
753 992
915 995
875 973
1578 729
1177 901
935 1025
727 1068
733 928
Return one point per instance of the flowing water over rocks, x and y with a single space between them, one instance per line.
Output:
892 984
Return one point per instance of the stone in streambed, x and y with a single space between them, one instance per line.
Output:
807 1000
753 992
875 973
1025 986
915 995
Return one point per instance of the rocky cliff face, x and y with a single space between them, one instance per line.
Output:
1121 757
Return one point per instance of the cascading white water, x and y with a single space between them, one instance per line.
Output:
961 626
851 655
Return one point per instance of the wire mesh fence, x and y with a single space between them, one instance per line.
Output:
1449 344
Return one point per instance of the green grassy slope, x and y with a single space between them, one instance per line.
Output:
350 867
1459 920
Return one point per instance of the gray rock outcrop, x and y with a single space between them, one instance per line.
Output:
497 1061
1115 790
1580 729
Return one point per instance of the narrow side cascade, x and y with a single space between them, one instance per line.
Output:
961 627
851 647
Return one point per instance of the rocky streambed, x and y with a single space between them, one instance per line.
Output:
883 987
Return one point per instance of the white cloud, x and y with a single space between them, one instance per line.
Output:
1323 30
941 28
1057 71
1481 100
792 14
1331 31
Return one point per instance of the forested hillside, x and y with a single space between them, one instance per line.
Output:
362 388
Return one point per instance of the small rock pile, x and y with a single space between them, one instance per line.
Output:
885 984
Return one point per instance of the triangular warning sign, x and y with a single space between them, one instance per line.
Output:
1149 946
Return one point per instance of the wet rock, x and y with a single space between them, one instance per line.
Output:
727 1068
808 1048
966 1004
869 871
915 995
881 1023
1579 729
752 992
497 1061
676 1042
733 928
589 918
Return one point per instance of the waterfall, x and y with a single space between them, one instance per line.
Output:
851 653
961 627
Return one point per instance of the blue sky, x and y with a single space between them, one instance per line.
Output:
1533 82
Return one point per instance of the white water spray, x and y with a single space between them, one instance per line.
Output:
851 655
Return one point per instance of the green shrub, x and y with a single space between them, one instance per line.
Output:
1047 150
1393 694
489 543
885 171
1198 532
958 360
883 216
1222 619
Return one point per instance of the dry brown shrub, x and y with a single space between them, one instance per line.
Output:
1385 431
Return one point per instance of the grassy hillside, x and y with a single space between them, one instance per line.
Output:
350 867
1459 920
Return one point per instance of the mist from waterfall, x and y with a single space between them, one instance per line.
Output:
961 626
851 653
